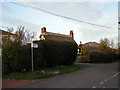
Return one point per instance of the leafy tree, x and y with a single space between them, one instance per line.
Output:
16 56
106 46
85 50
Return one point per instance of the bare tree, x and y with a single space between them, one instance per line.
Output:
112 44
21 35
10 29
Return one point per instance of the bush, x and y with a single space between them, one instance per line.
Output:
97 57
117 57
53 53
85 50
15 58
83 59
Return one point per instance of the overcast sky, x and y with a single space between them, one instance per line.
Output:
100 13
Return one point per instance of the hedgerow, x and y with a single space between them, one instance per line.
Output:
17 57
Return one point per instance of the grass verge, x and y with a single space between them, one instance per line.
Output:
43 73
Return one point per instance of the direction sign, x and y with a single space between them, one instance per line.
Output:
34 45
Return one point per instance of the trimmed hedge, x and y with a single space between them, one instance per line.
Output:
53 53
97 57
17 57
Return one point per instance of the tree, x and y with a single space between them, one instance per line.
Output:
16 56
112 45
10 29
23 34
106 46
85 50
20 36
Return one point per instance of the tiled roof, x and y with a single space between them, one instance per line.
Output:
5 32
91 44
57 36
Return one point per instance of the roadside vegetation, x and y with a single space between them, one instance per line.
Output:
50 58
107 53
43 73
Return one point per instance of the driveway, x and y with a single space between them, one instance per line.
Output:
89 76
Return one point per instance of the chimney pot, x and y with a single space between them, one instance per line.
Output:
71 34
43 30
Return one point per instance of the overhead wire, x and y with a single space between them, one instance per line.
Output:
45 11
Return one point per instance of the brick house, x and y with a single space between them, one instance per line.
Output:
4 35
93 46
57 36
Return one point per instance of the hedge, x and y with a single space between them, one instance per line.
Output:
83 58
53 53
17 57
97 57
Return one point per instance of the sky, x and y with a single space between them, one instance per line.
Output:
100 13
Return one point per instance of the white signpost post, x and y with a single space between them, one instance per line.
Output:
33 46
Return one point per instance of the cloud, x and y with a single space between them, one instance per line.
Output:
82 11
15 22
73 10
61 0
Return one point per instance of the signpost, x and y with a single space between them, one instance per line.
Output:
32 54
33 46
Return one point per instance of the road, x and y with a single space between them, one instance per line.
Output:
89 76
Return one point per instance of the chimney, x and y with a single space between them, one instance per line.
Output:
71 34
43 30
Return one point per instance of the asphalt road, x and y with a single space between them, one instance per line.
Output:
89 76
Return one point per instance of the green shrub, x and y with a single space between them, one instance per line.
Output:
83 58
117 57
97 57
85 50
15 58
53 53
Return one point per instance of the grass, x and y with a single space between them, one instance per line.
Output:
39 75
